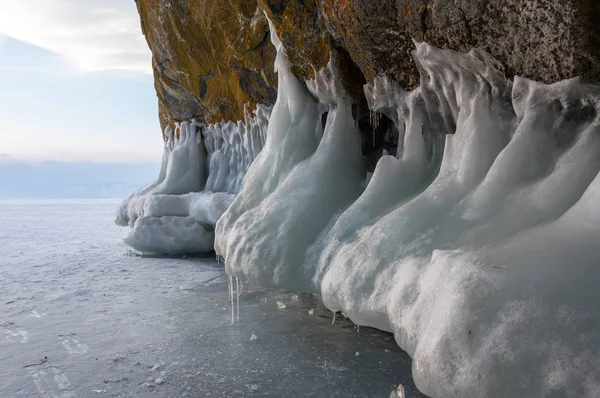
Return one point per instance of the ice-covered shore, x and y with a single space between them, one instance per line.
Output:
476 244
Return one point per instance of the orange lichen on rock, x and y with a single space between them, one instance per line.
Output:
211 57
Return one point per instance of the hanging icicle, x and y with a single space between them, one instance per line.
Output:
237 292
231 298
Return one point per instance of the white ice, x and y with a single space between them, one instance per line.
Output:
476 245
178 224
232 147
203 168
183 170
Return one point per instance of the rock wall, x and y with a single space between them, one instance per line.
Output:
212 57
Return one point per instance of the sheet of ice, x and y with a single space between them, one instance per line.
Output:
476 245
202 169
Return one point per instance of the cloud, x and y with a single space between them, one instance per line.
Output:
96 35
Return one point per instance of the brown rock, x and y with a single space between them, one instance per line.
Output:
211 57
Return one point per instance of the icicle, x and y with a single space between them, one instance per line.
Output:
237 293
371 121
398 392
231 298
229 289
333 321
374 118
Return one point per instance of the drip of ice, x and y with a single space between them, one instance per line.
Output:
237 297
178 224
281 305
476 244
231 302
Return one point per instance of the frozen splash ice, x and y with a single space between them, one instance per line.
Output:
476 244
237 297
231 302
202 169
232 147
234 285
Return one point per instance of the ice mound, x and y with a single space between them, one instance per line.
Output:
183 170
202 169
178 224
476 244
295 185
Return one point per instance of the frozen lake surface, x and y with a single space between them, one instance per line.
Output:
81 316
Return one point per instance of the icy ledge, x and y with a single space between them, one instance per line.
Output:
202 169
477 245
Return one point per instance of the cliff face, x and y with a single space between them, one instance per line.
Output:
212 57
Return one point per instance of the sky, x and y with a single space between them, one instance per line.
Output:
76 82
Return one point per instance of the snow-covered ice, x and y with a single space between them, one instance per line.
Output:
178 224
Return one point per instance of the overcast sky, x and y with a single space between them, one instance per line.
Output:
75 82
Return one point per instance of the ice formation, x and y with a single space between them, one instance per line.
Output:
202 169
476 244
232 147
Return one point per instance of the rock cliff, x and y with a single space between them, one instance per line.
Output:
212 57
